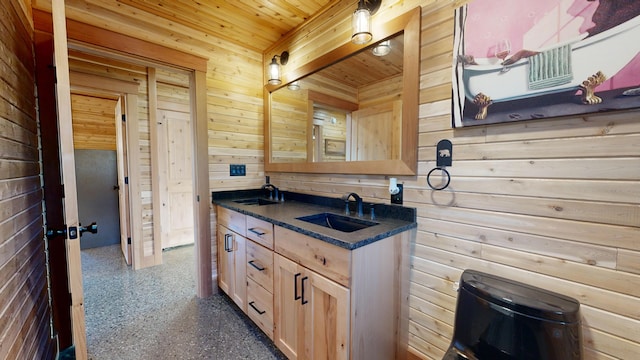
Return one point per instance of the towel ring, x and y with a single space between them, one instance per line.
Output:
444 171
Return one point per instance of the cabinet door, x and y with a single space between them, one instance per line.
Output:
311 313
287 310
232 270
239 294
225 260
326 307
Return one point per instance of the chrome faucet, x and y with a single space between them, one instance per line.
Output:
358 199
272 189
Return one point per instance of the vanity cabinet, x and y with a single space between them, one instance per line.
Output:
232 270
315 299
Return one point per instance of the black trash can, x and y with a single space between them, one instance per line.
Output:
501 319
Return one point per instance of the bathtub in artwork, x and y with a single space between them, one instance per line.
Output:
591 60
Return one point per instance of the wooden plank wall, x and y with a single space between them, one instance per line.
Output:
289 125
24 308
552 203
94 125
235 114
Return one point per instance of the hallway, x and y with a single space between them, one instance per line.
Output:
154 313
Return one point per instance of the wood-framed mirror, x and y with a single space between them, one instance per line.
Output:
350 111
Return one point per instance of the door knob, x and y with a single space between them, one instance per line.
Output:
93 228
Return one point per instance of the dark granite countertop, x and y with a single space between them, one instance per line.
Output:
390 219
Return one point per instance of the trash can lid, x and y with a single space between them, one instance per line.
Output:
526 299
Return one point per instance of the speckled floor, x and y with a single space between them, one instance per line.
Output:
154 313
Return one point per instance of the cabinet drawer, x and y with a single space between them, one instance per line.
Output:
232 220
329 260
260 231
260 265
260 307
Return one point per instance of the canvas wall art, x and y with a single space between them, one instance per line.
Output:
520 60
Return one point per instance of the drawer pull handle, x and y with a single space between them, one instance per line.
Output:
302 283
252 304
228 242
257 267
295 287
259 233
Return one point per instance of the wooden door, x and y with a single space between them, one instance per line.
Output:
52 183
326 309
287 310
67 167
123 184
175 147
375 132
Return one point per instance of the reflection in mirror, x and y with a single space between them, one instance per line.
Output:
349 111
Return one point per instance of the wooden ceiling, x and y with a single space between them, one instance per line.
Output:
366 68
181 24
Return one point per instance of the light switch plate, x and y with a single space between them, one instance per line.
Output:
237 170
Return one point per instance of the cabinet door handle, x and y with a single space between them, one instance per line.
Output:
295 287
228 242
302 285
259 233
257 267
252 304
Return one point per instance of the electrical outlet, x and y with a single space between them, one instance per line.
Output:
237 170
397 198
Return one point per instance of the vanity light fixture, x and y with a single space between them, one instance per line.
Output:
362 21
382 49
274 68
294 86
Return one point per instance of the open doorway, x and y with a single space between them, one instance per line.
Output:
96 163
99 110
154 145
172 156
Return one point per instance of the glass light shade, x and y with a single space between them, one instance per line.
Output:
274 72
294 86
361 26
383 48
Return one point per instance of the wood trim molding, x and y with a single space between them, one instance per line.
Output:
201 184
85 33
